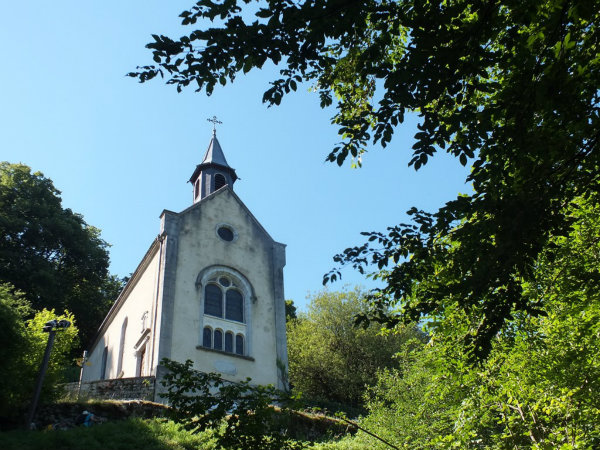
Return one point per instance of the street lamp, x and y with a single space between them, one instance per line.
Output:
51 327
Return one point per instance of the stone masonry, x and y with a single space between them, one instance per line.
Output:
138 388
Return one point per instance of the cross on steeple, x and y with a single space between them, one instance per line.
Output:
214 121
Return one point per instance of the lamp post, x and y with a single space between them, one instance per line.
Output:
83 363
51 328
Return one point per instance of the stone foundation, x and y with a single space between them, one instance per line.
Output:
138 388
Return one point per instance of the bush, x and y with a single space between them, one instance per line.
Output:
241 415
22 350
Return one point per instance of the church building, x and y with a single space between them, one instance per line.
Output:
209 289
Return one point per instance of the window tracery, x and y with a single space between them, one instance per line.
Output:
225 295
222 295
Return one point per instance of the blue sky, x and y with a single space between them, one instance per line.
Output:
121 151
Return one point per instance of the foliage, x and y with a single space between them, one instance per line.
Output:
135 433
510 88
240 414
290 310
343 444
13 310
50 253
330 359
539 386
23 347
413 405
61 356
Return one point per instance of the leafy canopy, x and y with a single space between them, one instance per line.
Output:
510 88
540 386
22 349
50 253
332 360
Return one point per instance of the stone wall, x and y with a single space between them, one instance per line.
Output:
138 388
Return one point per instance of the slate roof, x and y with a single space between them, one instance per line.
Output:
214 154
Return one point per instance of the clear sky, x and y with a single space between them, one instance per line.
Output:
121 151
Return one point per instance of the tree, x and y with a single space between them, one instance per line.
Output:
49 253
331 359
61 358
510 88
290 310
13 309
23 345
539 387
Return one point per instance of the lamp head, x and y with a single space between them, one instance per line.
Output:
64 323
56 324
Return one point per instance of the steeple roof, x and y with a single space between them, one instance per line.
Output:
214 154
214 160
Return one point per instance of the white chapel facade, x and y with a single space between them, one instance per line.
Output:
209 289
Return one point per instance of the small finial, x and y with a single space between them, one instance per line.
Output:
214 121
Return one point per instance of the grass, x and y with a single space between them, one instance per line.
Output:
135 433
129 426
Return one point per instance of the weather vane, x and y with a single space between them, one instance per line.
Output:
214 121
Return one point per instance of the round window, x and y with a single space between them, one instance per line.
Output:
224 282
225 233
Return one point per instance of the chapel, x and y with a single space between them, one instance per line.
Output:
209 289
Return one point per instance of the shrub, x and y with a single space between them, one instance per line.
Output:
240 414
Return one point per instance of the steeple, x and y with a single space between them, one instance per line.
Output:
213 172
214 154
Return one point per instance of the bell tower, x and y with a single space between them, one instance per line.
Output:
213 172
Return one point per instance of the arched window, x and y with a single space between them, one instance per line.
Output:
104 363
213 300
229 342
225 323
219 181
218 340
217 343
234 305
207 337
197 188
121 347
239 344
215 295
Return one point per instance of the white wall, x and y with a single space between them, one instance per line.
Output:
250 254
137 298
